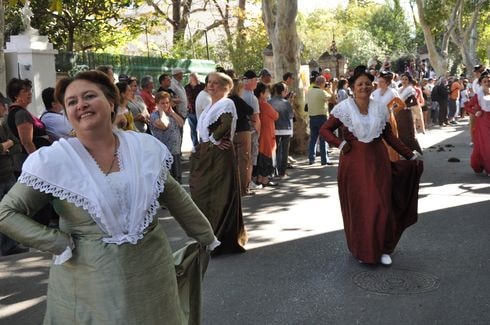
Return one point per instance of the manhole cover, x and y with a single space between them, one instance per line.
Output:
396 282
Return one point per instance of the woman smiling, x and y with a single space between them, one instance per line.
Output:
378 199
112 259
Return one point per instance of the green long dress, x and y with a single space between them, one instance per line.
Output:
215 188
106 283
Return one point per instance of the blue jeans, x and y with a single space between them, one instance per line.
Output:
452 108
282 153
316 123
192 119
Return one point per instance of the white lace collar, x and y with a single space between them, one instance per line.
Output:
68 172
365 128
483 100
211 114
406 92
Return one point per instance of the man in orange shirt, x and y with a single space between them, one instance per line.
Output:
455 89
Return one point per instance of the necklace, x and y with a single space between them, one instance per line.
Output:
113 158
112 163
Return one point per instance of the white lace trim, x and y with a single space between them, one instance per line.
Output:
61 193
94 211
483 100
212 113
365 128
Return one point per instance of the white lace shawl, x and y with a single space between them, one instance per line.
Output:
68 172
385 98
483 100
365 128
407 92
211 114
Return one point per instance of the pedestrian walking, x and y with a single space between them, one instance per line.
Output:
378 198
214 180
479 107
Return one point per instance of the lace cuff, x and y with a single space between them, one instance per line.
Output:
213 245
66 255
214 141
342 144
416 156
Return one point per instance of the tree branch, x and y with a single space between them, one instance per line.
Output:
268 16
160 12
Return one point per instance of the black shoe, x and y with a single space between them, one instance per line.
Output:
311 162
328 163
453 122
290 166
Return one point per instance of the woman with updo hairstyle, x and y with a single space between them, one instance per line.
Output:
389 97
404 117
242 140
214 180
378 198
124 118
479 106
112 261
267 141
137 107
342 90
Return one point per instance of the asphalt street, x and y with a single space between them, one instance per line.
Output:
297 269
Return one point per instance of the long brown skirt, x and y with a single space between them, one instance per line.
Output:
378 198
214 184
406 130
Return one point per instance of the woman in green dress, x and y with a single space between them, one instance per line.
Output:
214 180
113 263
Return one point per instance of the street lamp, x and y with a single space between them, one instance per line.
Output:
206 37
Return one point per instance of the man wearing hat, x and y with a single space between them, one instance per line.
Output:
178 88
265 77
249 85
8 144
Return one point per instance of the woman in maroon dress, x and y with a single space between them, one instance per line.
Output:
378 198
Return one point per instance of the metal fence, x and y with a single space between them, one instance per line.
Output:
136 66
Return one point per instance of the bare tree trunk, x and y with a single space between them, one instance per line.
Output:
2 54
279 17
466 38
438 60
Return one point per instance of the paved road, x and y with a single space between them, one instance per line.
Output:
298 271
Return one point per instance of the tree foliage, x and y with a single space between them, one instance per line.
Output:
75 24
362 31
360 54
246 55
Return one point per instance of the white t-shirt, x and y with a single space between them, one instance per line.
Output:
57 125
249 98
203 99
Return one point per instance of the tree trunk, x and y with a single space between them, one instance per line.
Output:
71 39
438 60
467 38
3 71
279 17
240 36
